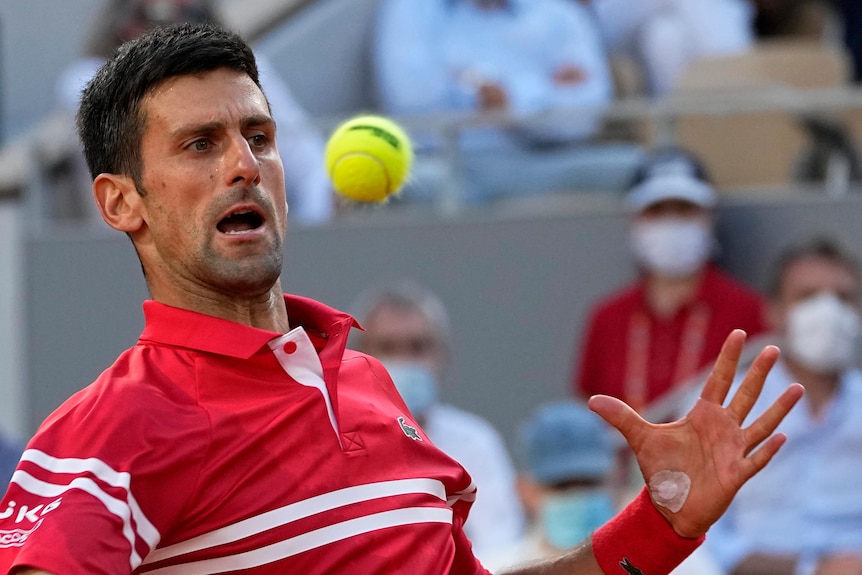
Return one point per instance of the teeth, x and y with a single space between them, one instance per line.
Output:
237 233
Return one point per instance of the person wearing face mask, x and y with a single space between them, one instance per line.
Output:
655 334
804 515
566 454
566 481
406 327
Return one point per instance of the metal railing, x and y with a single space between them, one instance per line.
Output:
26 163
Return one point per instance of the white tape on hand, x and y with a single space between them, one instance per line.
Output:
670 489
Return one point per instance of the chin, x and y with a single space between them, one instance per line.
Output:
250 277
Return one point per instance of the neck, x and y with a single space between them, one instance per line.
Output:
666 295
265 311
820 388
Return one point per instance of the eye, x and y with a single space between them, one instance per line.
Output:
201 145
258 140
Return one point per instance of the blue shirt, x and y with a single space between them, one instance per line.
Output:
9 455
431 55
807 501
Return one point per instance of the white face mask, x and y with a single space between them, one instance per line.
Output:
673 247
822 333
570 517
416 384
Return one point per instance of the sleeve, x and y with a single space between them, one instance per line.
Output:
96 488
410 71
571 38
301 147
588 370
496 517
465 562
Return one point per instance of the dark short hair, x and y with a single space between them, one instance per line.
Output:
110 119
821 247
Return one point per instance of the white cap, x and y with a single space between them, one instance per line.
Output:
671 175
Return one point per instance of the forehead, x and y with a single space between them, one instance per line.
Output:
672 206
813 273
388 319
203 96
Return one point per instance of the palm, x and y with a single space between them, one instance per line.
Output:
708 444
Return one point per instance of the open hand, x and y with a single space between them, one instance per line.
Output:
709 444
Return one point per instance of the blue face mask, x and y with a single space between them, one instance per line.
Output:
415 383
568 518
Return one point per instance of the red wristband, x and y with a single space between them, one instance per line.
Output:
640 541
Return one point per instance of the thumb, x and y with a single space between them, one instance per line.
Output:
618 414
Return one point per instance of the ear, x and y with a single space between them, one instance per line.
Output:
119 202
775 315
530 493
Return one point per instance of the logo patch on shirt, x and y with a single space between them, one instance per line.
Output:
409 430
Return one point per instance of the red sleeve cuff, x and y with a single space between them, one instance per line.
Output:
640 541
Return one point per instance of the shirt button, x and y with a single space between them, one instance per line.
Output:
289 347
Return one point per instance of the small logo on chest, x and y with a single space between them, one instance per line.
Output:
409 430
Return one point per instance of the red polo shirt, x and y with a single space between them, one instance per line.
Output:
214 447
629 353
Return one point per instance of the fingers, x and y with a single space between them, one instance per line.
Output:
745 397
618 414
762 456
724 370
764 425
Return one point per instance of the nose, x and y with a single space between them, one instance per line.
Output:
241 163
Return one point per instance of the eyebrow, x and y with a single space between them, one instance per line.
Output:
247 122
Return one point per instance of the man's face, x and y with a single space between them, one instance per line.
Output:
213 201
672 208
812 276
403 335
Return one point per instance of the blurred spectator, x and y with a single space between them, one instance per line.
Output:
520 57
10 453
309 193
658 332
803 514
407 329
664 36
567 486
566 454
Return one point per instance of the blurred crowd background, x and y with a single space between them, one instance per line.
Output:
602 190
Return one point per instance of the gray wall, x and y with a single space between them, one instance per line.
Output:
38 38
517 287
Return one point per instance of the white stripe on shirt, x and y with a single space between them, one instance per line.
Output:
103 472
127 510
468 494
311 540
87 485
296 511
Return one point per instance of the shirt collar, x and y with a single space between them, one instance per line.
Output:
169 325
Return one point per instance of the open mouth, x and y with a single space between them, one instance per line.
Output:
241 222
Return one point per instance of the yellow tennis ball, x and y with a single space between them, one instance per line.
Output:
368 158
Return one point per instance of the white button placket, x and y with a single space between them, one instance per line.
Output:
299 359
